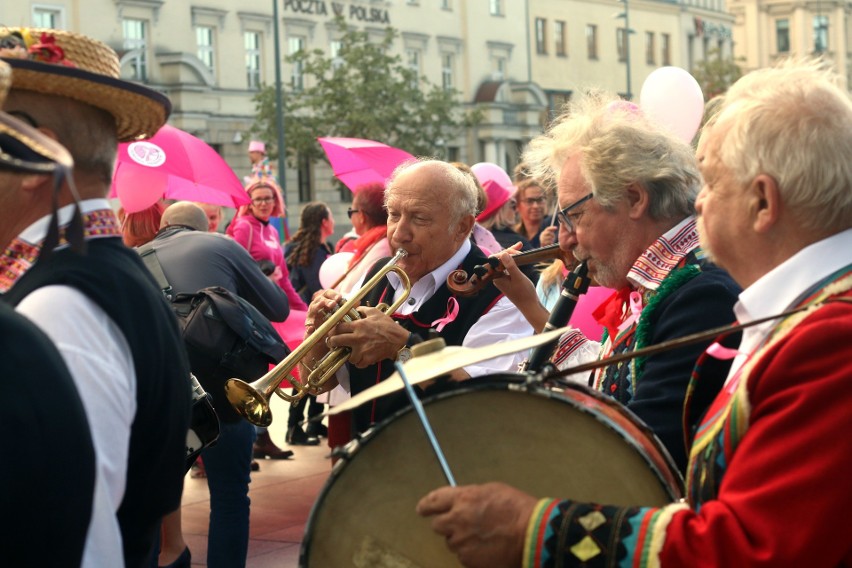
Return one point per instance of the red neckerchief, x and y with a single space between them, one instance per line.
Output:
610 313
366 241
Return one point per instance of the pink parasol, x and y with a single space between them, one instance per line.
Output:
356 161
173 164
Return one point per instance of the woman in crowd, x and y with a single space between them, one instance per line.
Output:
305 253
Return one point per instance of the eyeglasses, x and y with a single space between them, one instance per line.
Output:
259 200
566 219
533 200
350 211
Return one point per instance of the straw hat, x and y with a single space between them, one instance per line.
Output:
23 148
67 64
497 185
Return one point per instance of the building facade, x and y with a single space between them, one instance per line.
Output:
212 56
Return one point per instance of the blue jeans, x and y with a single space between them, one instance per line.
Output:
228 467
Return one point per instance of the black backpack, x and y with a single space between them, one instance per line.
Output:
225 336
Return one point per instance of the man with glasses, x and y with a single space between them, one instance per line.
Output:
627 193
533 210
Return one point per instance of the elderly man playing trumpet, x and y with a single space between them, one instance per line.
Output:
431 209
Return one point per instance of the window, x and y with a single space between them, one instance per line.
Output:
559 38
447 67
204 41
500 65
251 41
412 59
495 7
47 17
650 48
446 4
297 79
334 47
621 44
592 41
541 36
135 39
666 49
304 179
820 33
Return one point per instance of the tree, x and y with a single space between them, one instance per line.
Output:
363 92
716 74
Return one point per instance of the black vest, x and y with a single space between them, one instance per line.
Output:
114 277
419 322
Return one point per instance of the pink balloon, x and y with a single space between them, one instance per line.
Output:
673 98
334 267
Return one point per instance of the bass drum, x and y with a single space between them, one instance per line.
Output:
568 442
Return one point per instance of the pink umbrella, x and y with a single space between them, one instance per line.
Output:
173 164
356 161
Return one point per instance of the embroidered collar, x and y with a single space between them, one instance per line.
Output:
664 255
99 221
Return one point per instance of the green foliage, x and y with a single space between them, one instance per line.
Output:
365 92
715 74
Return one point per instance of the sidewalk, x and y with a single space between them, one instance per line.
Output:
282 494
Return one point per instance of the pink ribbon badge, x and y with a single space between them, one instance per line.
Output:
719 351
635 311
449 317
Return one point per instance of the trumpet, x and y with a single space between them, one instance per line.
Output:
251 400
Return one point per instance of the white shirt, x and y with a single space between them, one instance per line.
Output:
775 291
101 364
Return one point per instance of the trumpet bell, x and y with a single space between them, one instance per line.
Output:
249 402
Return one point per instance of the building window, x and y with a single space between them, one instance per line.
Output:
650 48
204 41
334 47
252 47
621 44
559 38
304 179
135 39
297 79
500 66
412 60
592 41
666 49
447 66
541 36
446 4
495 7
820 33
47 17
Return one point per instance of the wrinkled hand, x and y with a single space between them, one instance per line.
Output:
548 235
484 525
373 338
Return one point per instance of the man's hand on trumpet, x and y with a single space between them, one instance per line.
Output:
373 338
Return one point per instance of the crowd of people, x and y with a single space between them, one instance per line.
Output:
751 226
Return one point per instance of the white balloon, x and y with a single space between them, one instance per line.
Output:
673 98
333 268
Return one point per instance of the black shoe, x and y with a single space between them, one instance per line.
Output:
297 437
317 429
256 466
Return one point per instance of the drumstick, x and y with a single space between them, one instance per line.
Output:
421 414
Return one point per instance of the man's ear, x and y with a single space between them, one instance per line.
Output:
638 200
465 226
764 202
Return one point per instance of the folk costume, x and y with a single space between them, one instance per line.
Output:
483 319
113 326
765 483
673 292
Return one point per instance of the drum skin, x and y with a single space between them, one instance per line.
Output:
567 443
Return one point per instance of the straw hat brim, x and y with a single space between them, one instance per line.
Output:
138 110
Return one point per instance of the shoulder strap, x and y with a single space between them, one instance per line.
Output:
152 263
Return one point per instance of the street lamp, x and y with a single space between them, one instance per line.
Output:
627 31
279 116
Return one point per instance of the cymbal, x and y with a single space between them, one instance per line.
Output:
422 368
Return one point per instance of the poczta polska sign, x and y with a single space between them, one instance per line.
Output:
352 11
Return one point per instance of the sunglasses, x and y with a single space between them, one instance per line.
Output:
533 200
350 211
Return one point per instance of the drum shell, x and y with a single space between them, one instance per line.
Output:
568 442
